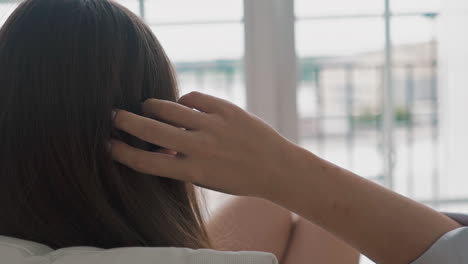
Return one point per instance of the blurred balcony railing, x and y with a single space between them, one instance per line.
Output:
347 107
222 78
342 117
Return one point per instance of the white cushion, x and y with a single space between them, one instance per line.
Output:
18 251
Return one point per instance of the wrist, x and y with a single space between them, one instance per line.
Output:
307 185
294 169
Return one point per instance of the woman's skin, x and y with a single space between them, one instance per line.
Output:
311 244
247 223
227 149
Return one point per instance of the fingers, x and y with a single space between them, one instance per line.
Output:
203 102
152 131
147 162
173 113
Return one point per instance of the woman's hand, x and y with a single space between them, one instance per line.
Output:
224 148
221 147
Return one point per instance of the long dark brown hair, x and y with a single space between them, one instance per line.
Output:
64 65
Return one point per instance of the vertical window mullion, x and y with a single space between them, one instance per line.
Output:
387 129
142 8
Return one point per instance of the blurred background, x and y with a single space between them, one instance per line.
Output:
375 86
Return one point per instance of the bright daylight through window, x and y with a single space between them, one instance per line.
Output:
341 53
367 93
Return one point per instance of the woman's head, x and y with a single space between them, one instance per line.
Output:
64 65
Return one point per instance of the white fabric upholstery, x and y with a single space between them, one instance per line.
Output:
17 251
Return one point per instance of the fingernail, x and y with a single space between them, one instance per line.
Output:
113 114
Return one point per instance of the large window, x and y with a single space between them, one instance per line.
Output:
383 128
367 93
351 112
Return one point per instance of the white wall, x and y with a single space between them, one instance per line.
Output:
453 92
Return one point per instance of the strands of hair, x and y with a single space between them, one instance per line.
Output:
64 65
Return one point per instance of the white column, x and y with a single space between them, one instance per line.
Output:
270 63
453 94
387 133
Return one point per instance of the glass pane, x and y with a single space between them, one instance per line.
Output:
413 30
160 11
202 42
306 8
402 6
339 37
208 58
415 103
339 93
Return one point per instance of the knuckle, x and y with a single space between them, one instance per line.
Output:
190 96
149 105
194 94
149 101
228 111
231 110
